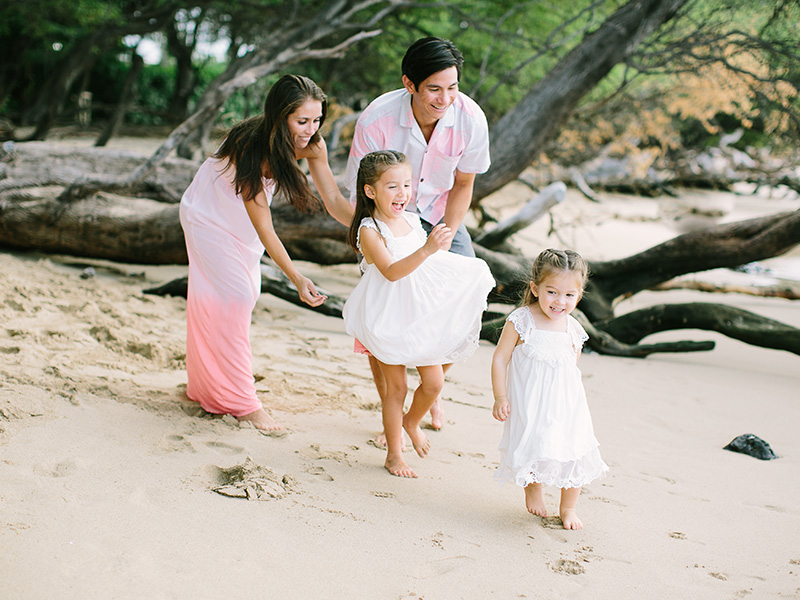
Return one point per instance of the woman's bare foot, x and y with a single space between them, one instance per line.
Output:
397 466
534 500
263 422
570 519
418 439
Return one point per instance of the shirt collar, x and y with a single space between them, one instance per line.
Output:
407 114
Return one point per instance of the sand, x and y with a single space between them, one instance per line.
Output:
108 473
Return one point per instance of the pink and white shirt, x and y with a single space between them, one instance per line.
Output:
459 141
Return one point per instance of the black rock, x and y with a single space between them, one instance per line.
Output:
752 445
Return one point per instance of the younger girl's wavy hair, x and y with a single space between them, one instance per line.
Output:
370 169
264 144
551 262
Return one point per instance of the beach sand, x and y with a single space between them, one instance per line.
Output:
108 472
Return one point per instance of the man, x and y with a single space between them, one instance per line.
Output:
442 132
444 135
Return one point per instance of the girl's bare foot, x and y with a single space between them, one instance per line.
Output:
380 441
397 466
437 415
418 439
263 422
570 519
534 500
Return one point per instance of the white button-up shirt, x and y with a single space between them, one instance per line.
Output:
460 141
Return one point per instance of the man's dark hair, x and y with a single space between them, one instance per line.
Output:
430 55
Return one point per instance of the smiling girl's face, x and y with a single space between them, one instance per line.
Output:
558 294
391 192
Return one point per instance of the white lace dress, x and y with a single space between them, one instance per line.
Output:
432 316
548 437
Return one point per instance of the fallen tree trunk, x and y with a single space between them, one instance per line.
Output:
727 245
140 230
788 291
728 320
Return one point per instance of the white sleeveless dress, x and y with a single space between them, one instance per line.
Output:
432 316
548 438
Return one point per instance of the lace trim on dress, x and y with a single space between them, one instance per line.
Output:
551 355
521 320
577 333
383 230
575 473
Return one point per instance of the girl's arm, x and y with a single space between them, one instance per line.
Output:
335 203
500 359
375 252
259 213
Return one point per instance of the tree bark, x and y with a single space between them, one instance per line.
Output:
727 245
728 320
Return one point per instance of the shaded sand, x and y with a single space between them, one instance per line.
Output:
107 472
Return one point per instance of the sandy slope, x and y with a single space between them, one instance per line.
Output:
107 471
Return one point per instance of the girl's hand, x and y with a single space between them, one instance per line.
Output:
439 238
308 293
501 409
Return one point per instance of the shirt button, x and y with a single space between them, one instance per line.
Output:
421 179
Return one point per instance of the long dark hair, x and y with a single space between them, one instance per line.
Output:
264 142
370 169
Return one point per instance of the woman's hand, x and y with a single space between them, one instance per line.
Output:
439 238
308 292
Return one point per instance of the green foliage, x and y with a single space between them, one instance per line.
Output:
508 46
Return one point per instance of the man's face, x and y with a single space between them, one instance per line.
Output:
434 96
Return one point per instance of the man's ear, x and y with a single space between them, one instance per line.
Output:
407 83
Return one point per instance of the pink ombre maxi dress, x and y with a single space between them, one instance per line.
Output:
224 284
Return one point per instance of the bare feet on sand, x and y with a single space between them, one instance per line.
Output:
397 466
534 500
437 415
380 440
570 519
264 423
418 439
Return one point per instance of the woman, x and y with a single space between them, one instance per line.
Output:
227 224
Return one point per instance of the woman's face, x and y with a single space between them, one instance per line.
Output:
304 122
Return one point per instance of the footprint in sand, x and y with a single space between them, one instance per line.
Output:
320 472
379 494
566 567
177 443
224 448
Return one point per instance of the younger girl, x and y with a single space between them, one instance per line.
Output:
548 437
414 306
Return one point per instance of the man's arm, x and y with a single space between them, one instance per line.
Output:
459 199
